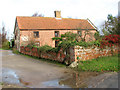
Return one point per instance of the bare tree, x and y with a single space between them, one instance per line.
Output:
31 41
4 34
3 38
82 35
37 15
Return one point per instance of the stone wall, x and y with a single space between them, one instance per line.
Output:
82 54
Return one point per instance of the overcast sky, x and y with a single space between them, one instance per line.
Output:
95 10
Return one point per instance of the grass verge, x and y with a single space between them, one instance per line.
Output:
5 48
109 63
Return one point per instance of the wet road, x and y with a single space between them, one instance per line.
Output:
32 73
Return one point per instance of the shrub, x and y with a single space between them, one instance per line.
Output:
97 35
70 39
110 40
45 48
15 51
56 49
6 45
88 44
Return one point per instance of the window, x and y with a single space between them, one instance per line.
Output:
80 33
56 33
36 34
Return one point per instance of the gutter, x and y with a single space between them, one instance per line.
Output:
58 29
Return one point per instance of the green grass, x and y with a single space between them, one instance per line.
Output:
1 83
109 63
5 49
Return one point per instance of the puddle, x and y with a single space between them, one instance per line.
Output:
74 80
79 80
70 80
54 83
9 76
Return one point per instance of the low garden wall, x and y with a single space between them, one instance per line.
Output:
56 56
82 53
78 53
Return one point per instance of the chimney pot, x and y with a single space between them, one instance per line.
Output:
57 14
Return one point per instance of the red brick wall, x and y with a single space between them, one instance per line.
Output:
93 52
60 56
76 53
45 36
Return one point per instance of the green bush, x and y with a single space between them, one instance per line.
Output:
45 48
15 51
88 44
6 45
56 49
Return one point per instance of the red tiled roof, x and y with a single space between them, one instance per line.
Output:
52 23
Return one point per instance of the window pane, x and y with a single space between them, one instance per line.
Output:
36 34
56 33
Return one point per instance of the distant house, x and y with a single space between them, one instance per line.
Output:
42 29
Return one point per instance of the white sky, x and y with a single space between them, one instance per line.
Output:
95 10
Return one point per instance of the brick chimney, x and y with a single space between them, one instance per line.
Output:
57 14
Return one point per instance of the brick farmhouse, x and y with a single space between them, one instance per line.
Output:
41 30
